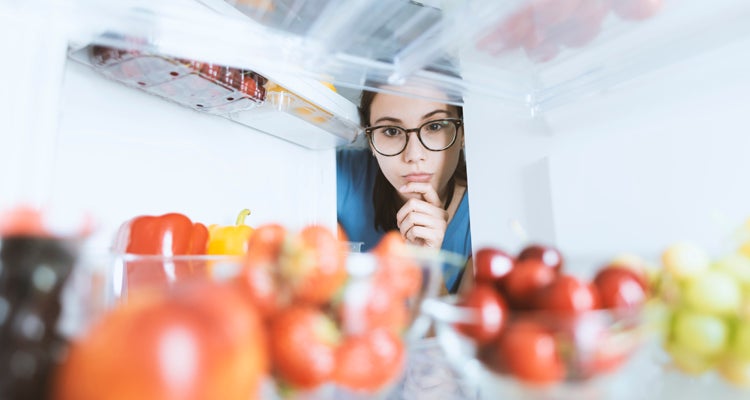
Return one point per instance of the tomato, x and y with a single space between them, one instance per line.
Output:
491 265
531 353
200 341
395 268
568 294
491 310
256 281
619 288
547 255
637 9
369 361
303 342
525 280
314 263
267 241
373 306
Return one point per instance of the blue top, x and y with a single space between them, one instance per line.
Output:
356 170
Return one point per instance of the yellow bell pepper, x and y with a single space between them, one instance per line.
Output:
231 239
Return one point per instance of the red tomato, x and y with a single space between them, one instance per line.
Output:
491 265
547 255
524 281
568 294
369 361
303 342
256 281
492 313
267 240
314 264
620 288
531 354
376 306
395 268
201 341
637 9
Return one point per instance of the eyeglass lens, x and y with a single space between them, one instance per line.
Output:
434 135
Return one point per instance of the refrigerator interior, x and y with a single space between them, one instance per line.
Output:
632 169
626 141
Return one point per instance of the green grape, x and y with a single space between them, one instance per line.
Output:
688 361
736 265
703 334
741 343
713 292
684 260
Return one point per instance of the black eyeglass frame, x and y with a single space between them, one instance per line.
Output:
457 122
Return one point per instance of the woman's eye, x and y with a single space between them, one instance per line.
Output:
435 126
391 131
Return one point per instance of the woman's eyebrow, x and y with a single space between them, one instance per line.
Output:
386 119
394 120
432 113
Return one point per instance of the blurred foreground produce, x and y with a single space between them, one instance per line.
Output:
199 340
296 309
529 320
34 267
708 302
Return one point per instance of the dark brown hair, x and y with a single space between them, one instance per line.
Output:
385 199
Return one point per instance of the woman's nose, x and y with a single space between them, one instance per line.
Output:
414 150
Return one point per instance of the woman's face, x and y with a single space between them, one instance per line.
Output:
415 163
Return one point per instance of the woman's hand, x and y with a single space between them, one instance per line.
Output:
422 221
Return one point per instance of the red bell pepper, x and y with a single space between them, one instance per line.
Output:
165 235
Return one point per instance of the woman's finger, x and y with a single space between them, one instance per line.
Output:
425 189
419 206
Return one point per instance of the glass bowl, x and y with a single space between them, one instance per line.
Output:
380 293
540 354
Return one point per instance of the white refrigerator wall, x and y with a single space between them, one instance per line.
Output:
123 153
661 158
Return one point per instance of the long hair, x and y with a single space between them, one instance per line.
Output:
385 199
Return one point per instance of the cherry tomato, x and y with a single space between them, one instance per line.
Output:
369 361
491 310
491 264
256 281
531 353
303 342
619 288
546 254
523 282
568 294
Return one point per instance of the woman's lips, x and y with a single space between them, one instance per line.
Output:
418 177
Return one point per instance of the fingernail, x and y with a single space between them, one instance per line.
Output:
402 188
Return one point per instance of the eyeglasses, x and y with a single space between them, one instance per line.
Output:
437 135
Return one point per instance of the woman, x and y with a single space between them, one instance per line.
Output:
411 177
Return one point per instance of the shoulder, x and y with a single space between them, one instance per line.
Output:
458 234
355 163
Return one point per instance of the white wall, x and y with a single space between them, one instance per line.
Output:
660 158
124 153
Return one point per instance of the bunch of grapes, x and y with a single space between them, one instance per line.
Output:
708 310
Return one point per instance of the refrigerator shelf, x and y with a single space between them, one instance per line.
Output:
532 55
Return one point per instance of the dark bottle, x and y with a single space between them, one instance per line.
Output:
33 272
